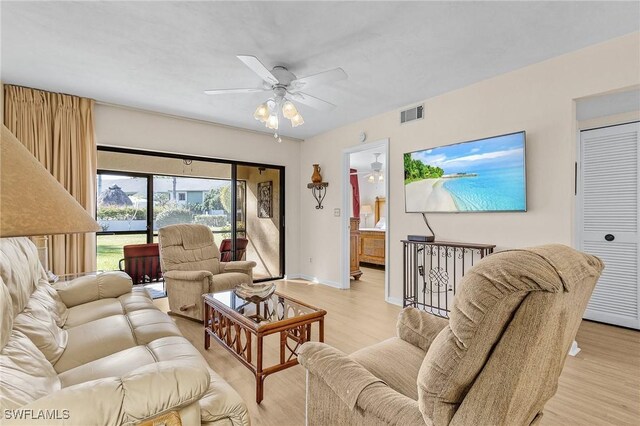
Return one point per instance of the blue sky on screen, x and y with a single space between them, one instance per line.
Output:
484 154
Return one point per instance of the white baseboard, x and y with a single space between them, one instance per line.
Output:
394 300
314 280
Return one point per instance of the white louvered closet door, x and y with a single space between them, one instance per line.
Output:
608 220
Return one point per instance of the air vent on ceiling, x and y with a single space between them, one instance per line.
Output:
411 114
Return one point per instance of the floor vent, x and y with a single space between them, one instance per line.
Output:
415 113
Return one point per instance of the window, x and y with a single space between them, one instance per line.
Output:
182 196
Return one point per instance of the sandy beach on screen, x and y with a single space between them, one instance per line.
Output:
428 195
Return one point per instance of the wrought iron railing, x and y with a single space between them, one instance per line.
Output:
433 270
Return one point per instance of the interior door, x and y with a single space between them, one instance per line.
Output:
608 220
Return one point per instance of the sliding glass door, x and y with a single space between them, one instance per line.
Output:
139 193
122 214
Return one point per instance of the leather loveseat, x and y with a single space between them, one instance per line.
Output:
94 351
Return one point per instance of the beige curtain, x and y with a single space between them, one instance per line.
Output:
58 129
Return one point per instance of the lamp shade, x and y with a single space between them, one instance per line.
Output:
366 209
32 201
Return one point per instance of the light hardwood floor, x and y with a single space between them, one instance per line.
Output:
601 386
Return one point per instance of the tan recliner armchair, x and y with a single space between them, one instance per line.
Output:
191 267
495 362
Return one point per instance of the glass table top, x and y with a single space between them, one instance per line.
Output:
276 308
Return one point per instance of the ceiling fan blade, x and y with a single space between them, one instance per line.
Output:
325 77
312 101
256 66
228 91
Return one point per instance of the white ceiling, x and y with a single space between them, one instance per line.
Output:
362 160
160 56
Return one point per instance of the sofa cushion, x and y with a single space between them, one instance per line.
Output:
20 270
6 314
39 324
120 363
139 298
151 324
381 361
49 298
90 287
95 340
135 300
26 373
114 365
222 402
87 312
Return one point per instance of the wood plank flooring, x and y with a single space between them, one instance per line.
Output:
601 386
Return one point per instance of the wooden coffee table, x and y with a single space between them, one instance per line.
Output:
236 323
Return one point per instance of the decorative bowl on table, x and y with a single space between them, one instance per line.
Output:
255 293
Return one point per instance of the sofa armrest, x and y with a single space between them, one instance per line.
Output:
163 386
356 386
88 288
418 327
141 394
188 275
238 266
346 378
390 406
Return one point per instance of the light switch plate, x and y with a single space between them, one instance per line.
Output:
336 212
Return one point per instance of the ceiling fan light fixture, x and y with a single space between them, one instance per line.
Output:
262 112
297 120
272 122
371 179
289 110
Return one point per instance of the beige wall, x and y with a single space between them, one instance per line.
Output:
118 161
123 127
538 99
263 233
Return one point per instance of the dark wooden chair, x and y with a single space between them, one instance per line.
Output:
225 249
141 262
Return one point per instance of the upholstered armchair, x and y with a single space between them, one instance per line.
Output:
495 362
191 267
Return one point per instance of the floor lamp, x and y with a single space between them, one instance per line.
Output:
45 208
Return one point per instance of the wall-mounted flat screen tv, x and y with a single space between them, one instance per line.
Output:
485 175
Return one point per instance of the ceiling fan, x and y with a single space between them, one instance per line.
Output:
376 174
285 87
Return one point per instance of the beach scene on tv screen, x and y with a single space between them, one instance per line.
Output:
482 175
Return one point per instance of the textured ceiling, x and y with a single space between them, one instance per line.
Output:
362 160
160 56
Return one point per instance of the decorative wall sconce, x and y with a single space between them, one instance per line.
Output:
317 186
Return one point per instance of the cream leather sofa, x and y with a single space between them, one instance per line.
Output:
94 351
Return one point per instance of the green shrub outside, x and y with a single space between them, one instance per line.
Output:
173 216
212 221
121 213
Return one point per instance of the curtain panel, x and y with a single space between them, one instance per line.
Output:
58 130
355 191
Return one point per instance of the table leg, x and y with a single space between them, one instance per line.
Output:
283 344
259 376
207 318
321 336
